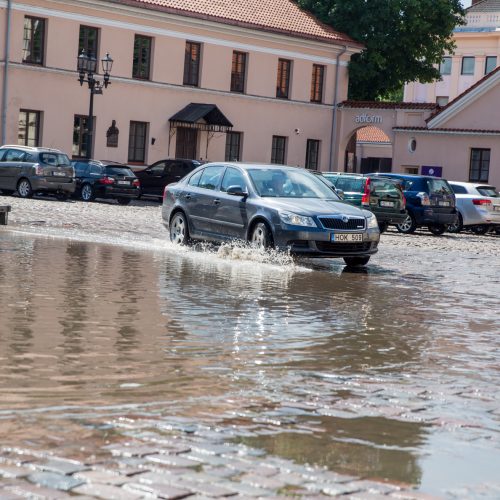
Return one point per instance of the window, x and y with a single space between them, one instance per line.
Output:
192 64
312 154
211 177
457 189
238 72
233 146
80 135
88 41
278 150
445 66
80 168
479 165
318 73
442 100
468 65
410 170
28 133
233 177
34 40
195 179
283 82
137 142
142 57
412 145
14 155
490 64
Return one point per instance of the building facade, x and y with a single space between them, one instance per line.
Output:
250 81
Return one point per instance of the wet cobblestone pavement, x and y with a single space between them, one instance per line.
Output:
130 369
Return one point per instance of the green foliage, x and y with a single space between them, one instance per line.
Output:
404 39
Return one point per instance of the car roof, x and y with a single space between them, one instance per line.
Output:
252 166
31 148
471 184
403 176
103 163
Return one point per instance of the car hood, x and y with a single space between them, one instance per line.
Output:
314 206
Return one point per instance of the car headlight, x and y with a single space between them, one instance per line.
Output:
297 220
372 222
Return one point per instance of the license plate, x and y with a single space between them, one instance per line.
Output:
346 238
59 174
496 207
444 203
124 183
387 203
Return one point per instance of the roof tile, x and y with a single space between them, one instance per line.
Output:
371 134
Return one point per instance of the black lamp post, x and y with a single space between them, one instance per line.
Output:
87 65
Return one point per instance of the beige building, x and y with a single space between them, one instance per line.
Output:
246 80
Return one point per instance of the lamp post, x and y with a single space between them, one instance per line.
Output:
87 65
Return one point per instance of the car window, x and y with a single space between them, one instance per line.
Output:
210 178
381 187
457 189
2 154
80 167
54 159
158 168
195 179
233 177
117 170
488 191
95 169
351 184
29 158
438 186
14 155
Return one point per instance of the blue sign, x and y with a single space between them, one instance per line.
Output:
434 171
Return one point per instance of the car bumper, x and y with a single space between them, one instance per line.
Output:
391 217
430 216
53 185
319 244
112 192
482 216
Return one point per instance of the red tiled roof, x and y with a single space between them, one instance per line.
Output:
463 130
464 93
282 16
387 105
371 134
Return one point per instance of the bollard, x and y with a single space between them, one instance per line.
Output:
4 214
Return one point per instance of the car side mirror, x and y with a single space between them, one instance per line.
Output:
236 191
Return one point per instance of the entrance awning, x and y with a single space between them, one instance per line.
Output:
190 116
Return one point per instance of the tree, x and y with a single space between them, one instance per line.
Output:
405 39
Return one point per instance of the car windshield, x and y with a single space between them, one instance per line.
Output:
439 186
55 159
121 171
281 183
488 191
382 187
351 184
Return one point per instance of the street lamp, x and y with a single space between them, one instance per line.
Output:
87 65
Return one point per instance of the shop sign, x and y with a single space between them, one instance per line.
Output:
434 171
365 118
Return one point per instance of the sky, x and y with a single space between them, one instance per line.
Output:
466 3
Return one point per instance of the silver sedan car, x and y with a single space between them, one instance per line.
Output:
478 206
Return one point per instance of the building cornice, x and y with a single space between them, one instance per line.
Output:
446 131
109 10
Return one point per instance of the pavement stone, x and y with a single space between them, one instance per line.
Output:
107 492
55 480
158 490
11 471
59 465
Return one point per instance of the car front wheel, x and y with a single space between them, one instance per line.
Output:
457 226
356 261
408 226
179 231
24 189
261 236
87 193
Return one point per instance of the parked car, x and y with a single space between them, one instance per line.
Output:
287 208
155 177
478 207
105 179
30 170
429 202
382 196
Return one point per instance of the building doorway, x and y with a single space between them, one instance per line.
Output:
186 143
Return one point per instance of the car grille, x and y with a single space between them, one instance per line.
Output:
352 224
327 246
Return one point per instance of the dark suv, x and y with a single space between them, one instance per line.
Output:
155 177
381 196
429 201
30 170
105 179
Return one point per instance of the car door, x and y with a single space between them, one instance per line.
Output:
3 170
152 179
12 165
231 213
204 199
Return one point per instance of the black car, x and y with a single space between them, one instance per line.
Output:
155 177
287 208
430 202
105 179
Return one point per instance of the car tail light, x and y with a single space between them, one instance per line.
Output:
38 169
107 180
425 201
136 183
165 192
403 200
481 201
365 199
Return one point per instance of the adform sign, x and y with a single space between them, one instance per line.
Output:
364 118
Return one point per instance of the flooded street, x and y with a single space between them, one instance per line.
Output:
386 374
